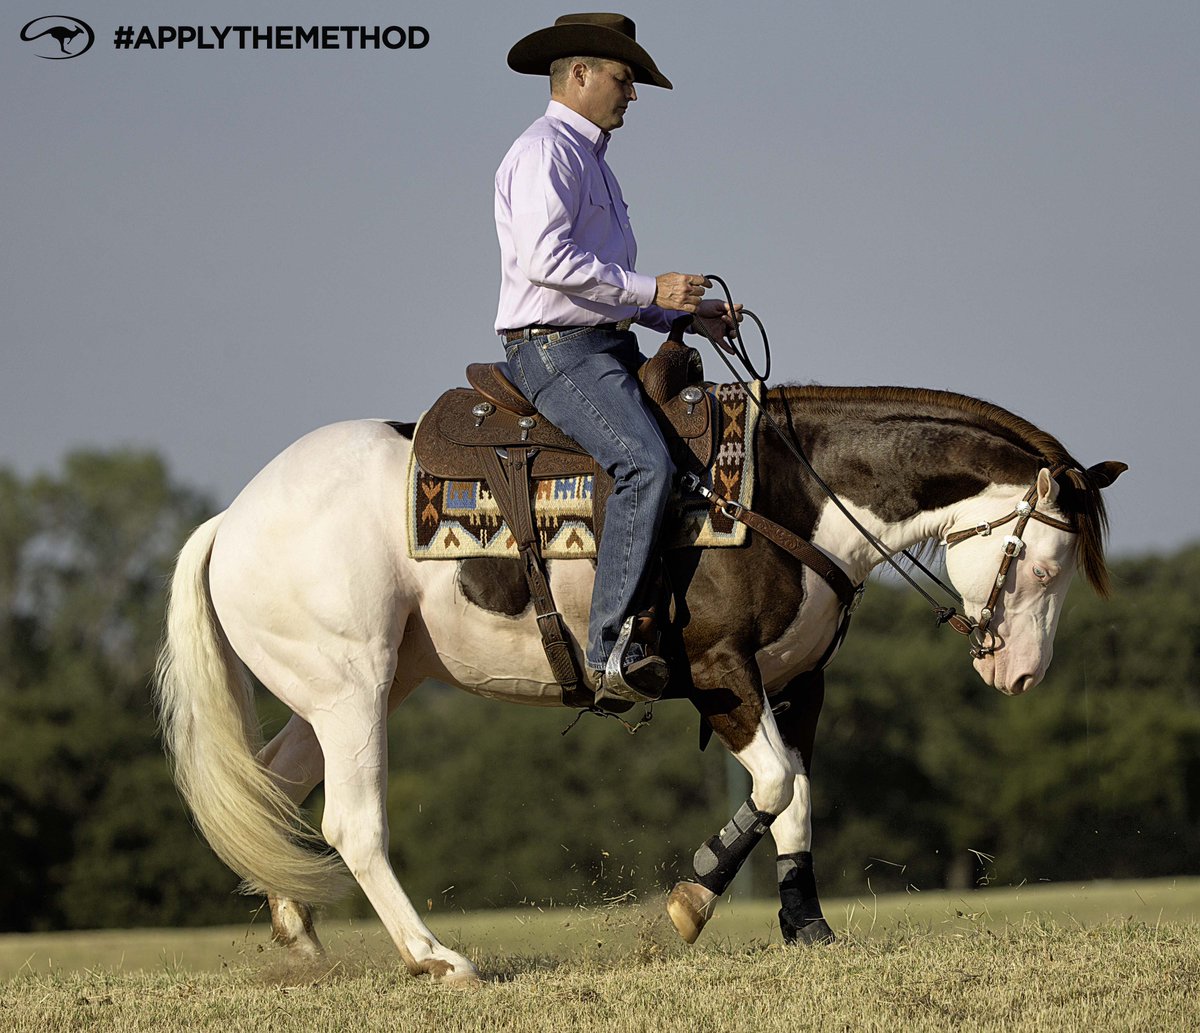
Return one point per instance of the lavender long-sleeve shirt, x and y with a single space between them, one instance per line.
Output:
567 251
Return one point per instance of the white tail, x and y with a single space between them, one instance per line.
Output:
210 731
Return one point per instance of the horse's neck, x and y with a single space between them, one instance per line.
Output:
906 477
837 535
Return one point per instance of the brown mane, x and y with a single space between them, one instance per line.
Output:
1079 498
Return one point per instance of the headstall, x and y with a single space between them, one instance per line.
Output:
983 641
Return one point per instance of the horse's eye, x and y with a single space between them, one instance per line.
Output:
1039 573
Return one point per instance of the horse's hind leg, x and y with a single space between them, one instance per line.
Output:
353 737
800 916
748 731
294 758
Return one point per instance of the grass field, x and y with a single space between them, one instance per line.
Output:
1111 956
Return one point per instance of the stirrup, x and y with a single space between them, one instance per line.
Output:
615 680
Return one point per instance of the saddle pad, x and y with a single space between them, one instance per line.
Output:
453 520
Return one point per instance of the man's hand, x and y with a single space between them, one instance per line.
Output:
680 292
717 318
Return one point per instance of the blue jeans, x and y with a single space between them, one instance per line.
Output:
586 384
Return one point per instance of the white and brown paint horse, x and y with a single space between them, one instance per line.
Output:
306 580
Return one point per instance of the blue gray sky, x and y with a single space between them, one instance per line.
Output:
210 253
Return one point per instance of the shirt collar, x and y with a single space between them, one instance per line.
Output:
596 137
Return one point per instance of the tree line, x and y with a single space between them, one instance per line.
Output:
923 776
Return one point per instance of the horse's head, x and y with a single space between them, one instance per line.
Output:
1014 579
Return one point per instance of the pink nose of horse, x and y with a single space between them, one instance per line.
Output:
1021 684
1003 679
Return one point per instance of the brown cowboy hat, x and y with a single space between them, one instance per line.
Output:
586 35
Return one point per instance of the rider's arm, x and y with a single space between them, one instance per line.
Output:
551 224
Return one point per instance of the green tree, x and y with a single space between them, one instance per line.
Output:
84 791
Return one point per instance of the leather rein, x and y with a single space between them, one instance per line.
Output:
983 641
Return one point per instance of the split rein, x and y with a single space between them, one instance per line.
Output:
983 641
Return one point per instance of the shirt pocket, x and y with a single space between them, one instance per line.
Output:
604 209
598 199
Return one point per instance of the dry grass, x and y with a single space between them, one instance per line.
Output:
1013 960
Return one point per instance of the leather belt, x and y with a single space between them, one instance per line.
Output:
553 334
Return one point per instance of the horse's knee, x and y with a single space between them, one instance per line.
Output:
774 785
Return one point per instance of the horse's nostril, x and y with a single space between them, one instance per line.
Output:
1022 685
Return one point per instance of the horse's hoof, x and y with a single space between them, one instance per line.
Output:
292 928
811 932
461 979
690 906
459 974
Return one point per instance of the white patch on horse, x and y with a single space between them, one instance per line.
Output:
772 766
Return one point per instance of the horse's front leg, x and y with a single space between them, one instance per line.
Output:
745 725
800 919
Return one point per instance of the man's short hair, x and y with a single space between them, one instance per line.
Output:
561 67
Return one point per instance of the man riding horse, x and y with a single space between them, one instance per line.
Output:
568 296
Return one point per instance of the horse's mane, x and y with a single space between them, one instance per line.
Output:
1079 497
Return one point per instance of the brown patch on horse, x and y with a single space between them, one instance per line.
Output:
493 584
960 435
436 967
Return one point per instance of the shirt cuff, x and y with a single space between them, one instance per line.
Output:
643 288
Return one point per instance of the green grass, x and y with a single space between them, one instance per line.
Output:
1111 956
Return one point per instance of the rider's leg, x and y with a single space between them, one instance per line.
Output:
586 384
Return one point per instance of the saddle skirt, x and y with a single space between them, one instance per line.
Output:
453 514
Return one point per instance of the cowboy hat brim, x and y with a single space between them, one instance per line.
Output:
533 54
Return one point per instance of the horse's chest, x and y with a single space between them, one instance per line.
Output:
804 641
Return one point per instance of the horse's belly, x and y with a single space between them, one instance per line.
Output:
493 654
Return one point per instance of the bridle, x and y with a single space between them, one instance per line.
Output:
978 632
983 642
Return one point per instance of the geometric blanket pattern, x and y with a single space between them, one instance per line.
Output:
454 520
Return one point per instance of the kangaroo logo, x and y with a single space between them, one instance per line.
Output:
63 35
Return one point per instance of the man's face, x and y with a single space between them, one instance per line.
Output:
606 92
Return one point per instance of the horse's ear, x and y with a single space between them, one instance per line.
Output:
1103 474
1047 486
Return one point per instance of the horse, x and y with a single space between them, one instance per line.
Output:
306 581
